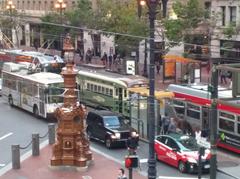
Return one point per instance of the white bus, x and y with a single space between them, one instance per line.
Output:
39 93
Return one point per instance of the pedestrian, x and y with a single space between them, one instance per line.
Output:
165 124
104 58
157 63
110 60
172 128
223 76
89 56
121 174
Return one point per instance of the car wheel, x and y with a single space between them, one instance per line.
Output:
36 112
182 167
108 143
10 100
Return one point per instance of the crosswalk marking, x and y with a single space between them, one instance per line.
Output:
5 136
2 165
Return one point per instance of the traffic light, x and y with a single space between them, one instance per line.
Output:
131 161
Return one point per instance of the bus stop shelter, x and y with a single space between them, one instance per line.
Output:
139 108
177 67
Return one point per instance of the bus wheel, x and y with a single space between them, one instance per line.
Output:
35 111
10 100
108 143
182 167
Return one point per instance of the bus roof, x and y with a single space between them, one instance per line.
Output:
123 80
199 90
20 70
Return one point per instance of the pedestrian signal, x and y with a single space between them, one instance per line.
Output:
131 161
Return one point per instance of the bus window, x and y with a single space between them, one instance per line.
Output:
179 107
111 92
226 125
99 89
95 88
116 91
107 91
88 86
193 111
91 87
125 93
103 90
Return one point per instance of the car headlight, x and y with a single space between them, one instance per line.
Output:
134 134
192 160
51 109
116 136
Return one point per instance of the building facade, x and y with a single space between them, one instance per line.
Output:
224 44
30 34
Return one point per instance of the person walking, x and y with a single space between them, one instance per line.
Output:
110 61
223 76
165 124
172 128
104 59
88 56
121 174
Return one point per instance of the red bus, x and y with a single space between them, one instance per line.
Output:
192 102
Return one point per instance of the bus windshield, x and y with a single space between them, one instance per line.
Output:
55 93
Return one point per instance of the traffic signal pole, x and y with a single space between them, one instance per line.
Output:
213 120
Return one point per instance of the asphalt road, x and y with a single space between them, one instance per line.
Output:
17 126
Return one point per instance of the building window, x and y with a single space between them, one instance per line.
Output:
223 13
52 5
45 5
39 5
28 5
73 4
233 14
34 5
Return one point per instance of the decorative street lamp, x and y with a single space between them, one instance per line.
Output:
151 4
60 5
10 7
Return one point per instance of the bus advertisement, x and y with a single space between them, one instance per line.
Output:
192 102
39 93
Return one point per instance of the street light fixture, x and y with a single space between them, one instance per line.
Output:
152 5
60 5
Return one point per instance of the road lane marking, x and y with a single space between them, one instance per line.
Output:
144 160
5 136
2 165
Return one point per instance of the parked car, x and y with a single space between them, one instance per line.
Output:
109 127
181 151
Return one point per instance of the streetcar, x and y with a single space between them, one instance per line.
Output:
45 62
103 89
39 93
192 102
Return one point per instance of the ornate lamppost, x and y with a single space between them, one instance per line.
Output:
152 5
60 6
72 146
10 8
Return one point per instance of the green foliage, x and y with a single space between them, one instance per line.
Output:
189 14
52 31
229 31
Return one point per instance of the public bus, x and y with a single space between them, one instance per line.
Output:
193 103
45 62
39 93
103 89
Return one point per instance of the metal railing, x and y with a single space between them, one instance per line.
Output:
35 142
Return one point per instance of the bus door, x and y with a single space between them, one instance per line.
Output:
120 100
205 123
41 101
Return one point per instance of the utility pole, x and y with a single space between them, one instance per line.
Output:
213 119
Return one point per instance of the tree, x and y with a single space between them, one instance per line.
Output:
11 20
189 15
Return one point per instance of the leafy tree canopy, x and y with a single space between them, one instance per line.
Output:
189 15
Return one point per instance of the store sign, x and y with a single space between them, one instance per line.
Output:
130 65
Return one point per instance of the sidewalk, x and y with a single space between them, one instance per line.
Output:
39 168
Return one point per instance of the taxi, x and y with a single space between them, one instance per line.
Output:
181 151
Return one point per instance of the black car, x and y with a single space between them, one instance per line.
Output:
109 128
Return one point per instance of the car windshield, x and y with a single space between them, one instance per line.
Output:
111 121
189 143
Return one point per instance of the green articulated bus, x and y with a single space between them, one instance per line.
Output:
102 89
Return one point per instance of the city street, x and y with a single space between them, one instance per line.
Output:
17 126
